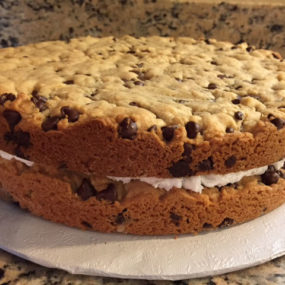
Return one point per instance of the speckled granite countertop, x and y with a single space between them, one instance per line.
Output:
16 271
261 23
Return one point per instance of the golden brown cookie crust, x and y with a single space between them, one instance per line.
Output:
128 107
143 209
147 155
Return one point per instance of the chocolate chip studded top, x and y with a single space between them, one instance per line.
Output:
192 91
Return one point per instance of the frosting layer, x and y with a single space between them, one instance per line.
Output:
198 183
194 183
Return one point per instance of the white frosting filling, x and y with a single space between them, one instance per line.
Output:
197 183
194 183
8 156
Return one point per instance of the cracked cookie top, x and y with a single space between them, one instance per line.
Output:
156 81
175 88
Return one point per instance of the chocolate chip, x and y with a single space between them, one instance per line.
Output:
207 226
69 82
8 136
236 101
226 223
168 132
94 93
249 49
229 130
270 176
141 74
120 219
276 28
231 161
180 169
86 190
19 137
233 185
72 114
192 129
134 104
50 123
6 97
281 174
188 148
238 115
221 76
39 101
207 41
153 128
128 129
206 164
220 188
278 123
214 62
12 117
131 50
175 218
18 152
277 55
109 194
127 85
86 224
182 101
212 86
271 168
22 138
139 83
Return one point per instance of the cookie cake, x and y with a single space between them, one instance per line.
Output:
148 136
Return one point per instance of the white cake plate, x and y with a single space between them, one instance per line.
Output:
126 256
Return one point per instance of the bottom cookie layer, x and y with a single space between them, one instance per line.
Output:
136 208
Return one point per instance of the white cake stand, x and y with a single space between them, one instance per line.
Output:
126 256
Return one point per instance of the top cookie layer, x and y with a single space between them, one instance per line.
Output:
172 91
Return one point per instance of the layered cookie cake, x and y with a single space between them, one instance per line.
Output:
148 136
